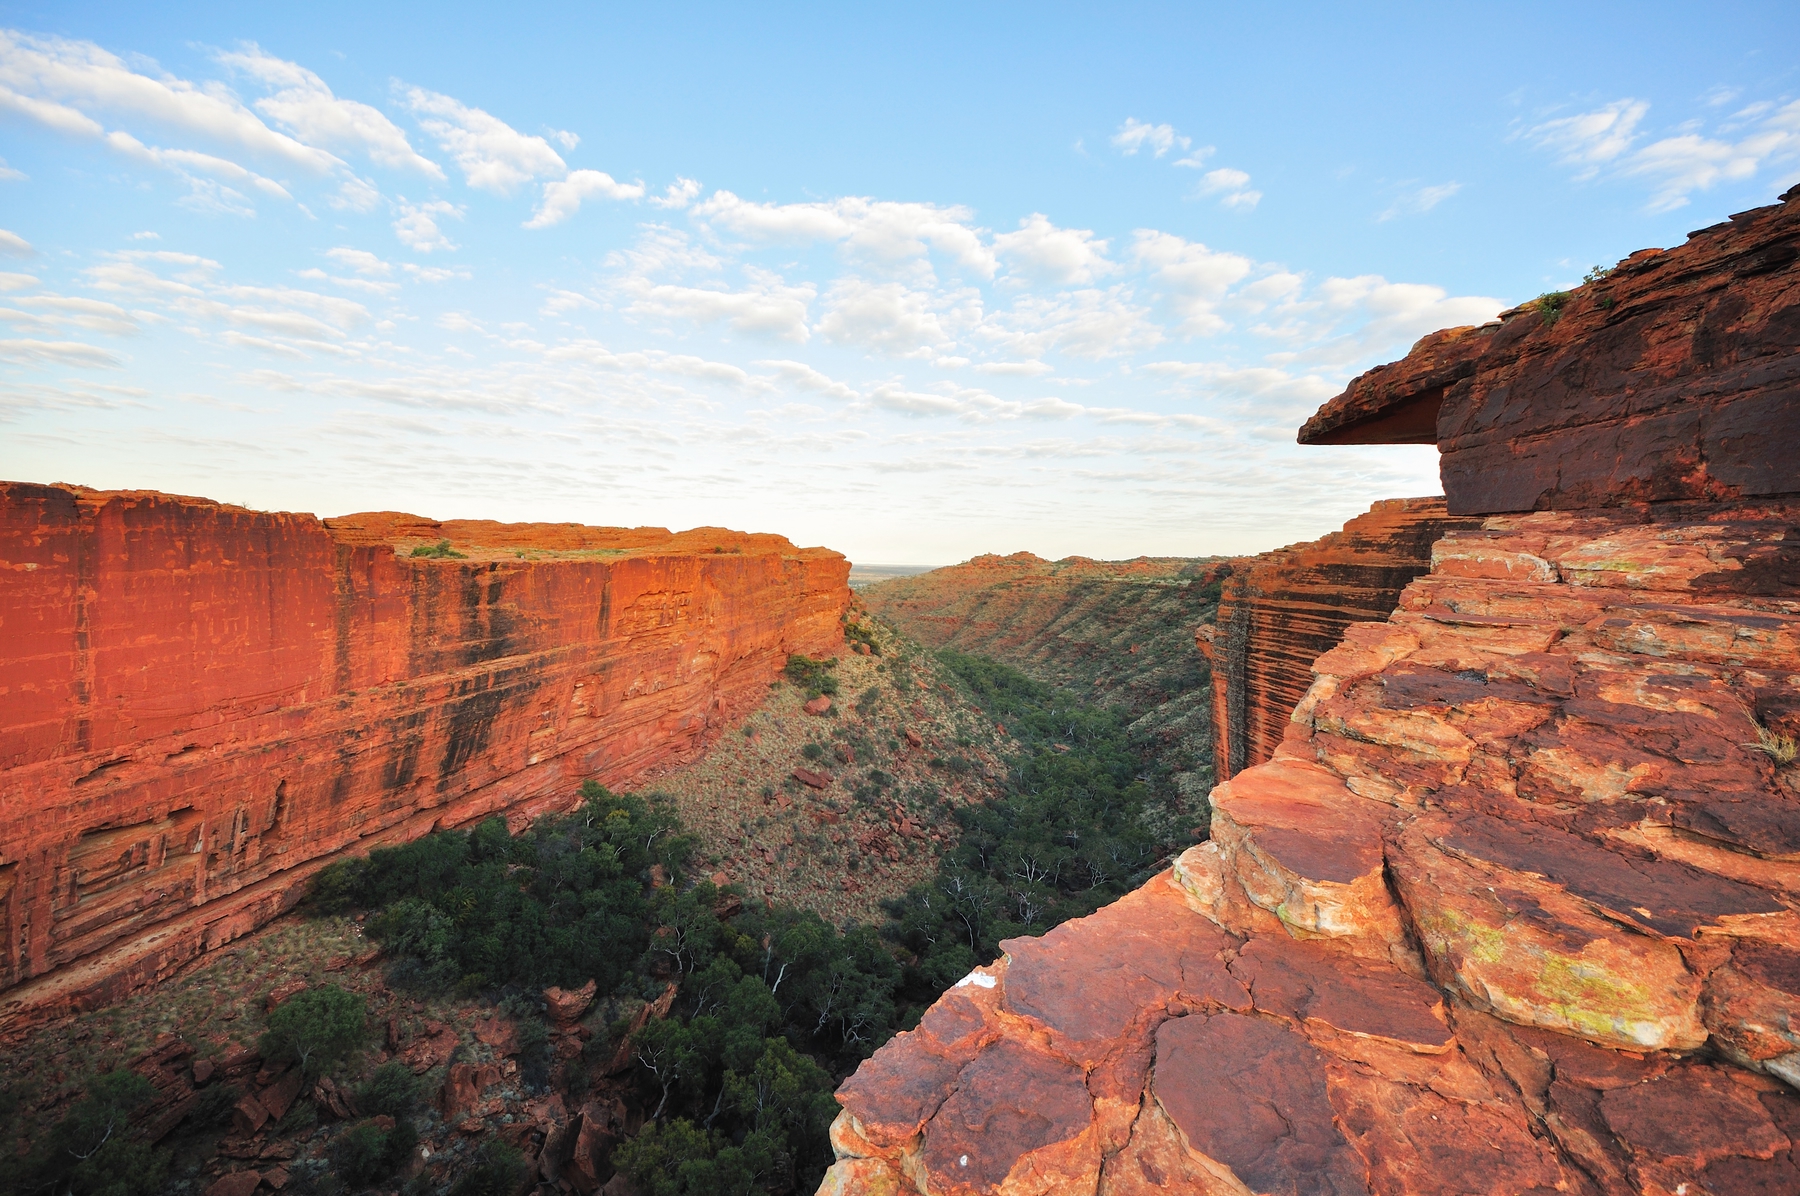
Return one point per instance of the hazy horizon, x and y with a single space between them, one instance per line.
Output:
914 287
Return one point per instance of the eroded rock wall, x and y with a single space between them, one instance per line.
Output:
1675 377
200 705
1280 610
1512 909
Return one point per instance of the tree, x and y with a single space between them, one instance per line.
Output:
91 1152
319 1029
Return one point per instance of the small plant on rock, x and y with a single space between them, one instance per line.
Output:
439 551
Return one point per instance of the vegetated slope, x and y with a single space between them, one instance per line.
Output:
1114 633
841 810
699 1029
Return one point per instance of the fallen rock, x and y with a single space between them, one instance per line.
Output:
818 705
235 1183
566 1007
811 779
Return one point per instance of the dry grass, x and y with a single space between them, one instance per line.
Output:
787 842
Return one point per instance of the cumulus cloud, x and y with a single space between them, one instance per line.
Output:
1041 250
883 318
1231 186
416 225
1192 278
306 107
13 245
1134 135
563 197
768 307
16 282
1589 140
361 261
492 155
678 194
58 81
877 229
1088 323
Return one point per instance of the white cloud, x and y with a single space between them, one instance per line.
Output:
434 273
492 154
563 197
306 107
1678 165
1394 314
1087 323
9 174
361 261
1420 200
1014 369
560 302
1231 186
1591 139
1134 135
51 313
798 373
16 282
768 307
13 245
1041 250
54 79
679 194
877 229
1191 277
416 225
885 318
36 352
145 236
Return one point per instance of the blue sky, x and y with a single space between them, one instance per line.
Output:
913 284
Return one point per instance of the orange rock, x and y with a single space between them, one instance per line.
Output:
811 779
565 1007
201 705
463 1087
818 705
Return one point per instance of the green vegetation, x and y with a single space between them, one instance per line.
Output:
1067 837
91 1151
773 1004
814 676
319 1029
366 1153
440 551
1597 274
1550 305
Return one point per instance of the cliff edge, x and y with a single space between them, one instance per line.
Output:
201 705
1515 905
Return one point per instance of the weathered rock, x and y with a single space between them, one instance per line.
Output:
279 1097
818 705
1282 609
565 1007
1671 379
463 1087
1513 906
812 779
235 1183
201 705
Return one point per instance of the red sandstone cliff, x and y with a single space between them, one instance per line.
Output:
1515 905
1281 609
200 705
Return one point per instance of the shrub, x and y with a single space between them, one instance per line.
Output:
816 677
498 1170
1550 305
392 1089
92 1150
318 1029
440 551
365 1153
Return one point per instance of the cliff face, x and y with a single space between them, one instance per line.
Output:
1514 906
200 705
1281 609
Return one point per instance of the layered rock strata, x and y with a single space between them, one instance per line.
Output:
200 705
1514 906
1281 609
1512 909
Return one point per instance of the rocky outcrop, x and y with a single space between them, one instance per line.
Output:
1281 609
200 705
1513 907
1674 377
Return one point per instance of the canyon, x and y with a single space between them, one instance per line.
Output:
1513 902
202 705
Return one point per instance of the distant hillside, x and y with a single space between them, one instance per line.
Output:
1116 633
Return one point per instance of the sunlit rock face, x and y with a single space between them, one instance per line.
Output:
201 705
1511 907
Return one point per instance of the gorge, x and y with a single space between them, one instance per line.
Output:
1511 904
